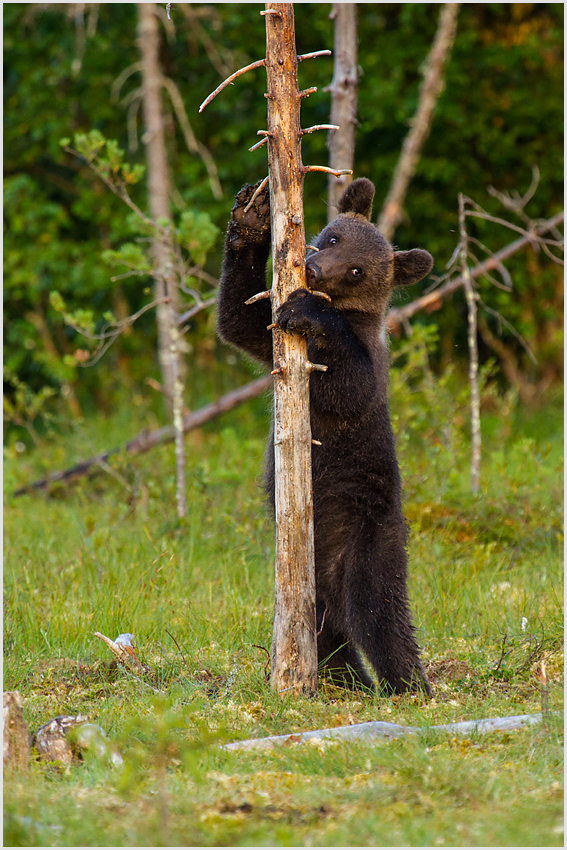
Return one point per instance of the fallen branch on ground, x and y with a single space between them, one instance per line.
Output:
148 439
377 730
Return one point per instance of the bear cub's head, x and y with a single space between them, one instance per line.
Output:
355 264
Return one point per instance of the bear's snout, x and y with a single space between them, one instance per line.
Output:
313 273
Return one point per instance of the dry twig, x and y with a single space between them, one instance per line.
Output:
433 300
544 686
229 80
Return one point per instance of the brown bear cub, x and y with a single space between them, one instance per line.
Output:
360 531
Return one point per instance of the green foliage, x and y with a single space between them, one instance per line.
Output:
23 406
81 319
112 166
130 255
197 233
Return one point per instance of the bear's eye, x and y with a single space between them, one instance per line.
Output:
332 240
356 272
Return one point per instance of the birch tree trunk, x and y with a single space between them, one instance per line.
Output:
294 647
343 100
169 349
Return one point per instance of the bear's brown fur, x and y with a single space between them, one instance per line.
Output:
360 532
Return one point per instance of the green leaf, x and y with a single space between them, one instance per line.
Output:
57 302
130 255
197 233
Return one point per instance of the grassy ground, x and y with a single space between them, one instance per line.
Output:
109 556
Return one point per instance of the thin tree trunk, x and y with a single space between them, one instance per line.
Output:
431 88
169 349
473 348
343 100
294 647
158 177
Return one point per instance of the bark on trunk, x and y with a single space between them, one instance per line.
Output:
343 101
169 349
158 178
294 647
15 744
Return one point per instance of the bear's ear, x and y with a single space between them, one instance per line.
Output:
357 198
411 266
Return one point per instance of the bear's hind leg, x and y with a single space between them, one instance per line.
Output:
377 617
339 658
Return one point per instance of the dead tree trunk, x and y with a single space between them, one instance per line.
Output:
343 100
421 124
169 349
158 180
294 647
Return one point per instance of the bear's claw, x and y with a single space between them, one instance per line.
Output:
252 225
301 313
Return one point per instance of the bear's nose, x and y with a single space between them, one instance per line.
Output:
312 272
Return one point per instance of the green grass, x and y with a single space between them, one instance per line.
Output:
108 555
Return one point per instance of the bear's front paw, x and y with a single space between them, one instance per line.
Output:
303 313
250 222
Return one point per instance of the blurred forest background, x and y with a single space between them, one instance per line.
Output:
69 243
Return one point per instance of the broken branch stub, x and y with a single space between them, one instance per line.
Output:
294 646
